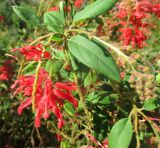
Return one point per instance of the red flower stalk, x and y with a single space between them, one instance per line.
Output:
33 52
78 3
122 13
136 37
49 98
136 16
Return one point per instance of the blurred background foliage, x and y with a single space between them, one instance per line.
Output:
15 131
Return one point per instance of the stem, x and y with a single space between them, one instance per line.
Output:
32 139
80 31
35 86
137 110
49 40
136 126
151 124
81 95
39 9
36 81
39 136
82 99
40 38
60 132
20 69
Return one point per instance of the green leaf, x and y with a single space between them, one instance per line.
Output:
27 15
69 108
53 66
92 98
93 56
55 21
97 8
65 144
121 134
90 78
158 78
150 105
62 6
56 38
105 101
29 66
80 106
73 63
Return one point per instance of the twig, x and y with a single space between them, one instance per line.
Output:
39 136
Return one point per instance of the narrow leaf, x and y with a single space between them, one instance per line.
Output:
97 8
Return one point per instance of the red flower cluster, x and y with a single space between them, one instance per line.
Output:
6 70
33 52
136 37
133 34
78 3
48 98
156 10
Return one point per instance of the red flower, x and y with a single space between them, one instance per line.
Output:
122 14
142 10
156 10
49 98
126 35
139 38
144 5
33 52
78 3
136 37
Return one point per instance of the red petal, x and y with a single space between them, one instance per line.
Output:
24 104
37 120
58 114
67 96
66 86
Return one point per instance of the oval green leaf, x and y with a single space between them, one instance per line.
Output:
97 8
93 56
121 134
